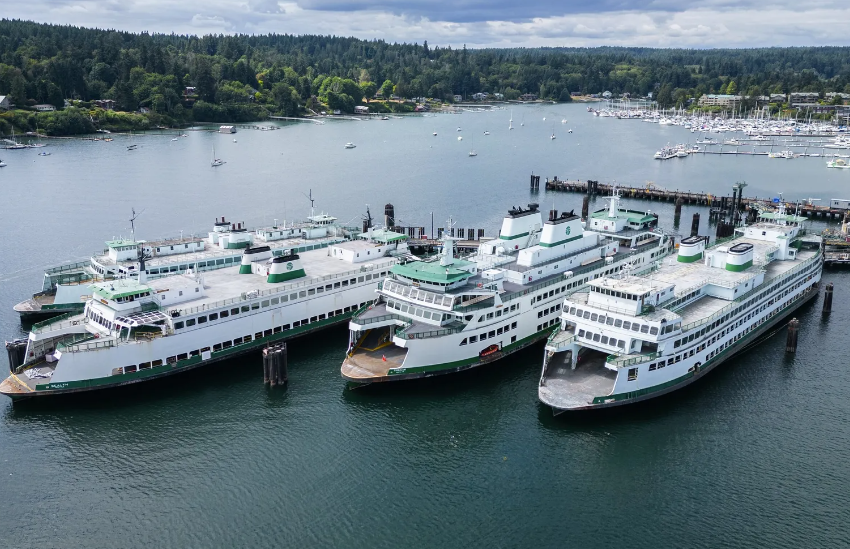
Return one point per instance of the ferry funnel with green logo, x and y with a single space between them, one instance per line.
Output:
252 255
285 268
739 257
691 249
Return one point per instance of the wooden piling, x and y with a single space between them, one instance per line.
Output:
827 299
275 365
585 207
695 225
266 367
791 341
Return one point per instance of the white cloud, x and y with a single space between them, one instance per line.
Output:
660 23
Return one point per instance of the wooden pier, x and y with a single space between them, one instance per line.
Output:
653 193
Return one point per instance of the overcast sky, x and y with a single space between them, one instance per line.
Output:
476 23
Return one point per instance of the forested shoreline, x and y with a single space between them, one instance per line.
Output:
180 79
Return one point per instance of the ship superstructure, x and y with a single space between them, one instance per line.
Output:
66 288
134 329
450 314
629 338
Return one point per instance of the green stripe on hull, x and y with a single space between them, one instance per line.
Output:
245 270
283 277
688 258
183 365
739 268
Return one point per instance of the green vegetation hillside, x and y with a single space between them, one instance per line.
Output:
180 79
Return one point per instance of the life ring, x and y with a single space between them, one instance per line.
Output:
480 285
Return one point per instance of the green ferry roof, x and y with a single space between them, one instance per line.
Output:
118 288
383 235
632 216
120 243
433 272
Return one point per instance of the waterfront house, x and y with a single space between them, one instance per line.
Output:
226 129
528 97
778 98
606 95
359 109
803 98
105 104
458 98
719 100
44 107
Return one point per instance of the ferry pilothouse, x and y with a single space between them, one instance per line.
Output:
65 288
630 338
452 314
134 329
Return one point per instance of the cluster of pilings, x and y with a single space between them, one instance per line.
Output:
468 234
794 324
535 182
275 365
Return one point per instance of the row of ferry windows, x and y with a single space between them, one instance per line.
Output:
624 324
234 342
604 340
546 324
483 336
633 372
612 293
717 323
272 301
498 313
556 291
548 311
416 311
737 310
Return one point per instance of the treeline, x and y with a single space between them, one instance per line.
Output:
244 77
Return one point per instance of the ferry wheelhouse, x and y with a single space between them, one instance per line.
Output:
629 338
451 314
134 329
66 288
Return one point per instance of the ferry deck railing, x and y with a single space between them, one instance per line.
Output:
627 360
56 323
288 287
777 280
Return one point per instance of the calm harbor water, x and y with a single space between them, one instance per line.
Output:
754 455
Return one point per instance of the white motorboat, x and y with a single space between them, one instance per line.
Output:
350 145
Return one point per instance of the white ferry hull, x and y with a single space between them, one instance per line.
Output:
94 368
689 369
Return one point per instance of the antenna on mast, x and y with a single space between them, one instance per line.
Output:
133 222
312 201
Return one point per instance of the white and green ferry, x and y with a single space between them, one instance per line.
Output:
66 288
135 329
452 314
632 338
